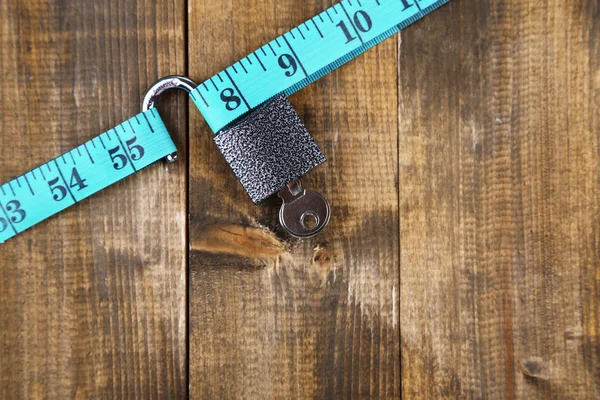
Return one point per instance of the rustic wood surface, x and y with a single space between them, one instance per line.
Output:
500 201
92 301
463 256
273 317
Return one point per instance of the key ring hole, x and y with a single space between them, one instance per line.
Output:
309 220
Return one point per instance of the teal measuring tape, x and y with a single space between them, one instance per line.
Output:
303 55
284 65
81 172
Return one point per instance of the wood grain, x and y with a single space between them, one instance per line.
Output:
272 317
500 207
92 300
463 256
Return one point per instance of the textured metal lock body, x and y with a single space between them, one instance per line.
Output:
269 148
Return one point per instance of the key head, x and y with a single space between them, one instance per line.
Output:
304 213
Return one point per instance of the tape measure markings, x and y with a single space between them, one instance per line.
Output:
302 55
283 65
76 175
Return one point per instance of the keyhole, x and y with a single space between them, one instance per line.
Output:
309 220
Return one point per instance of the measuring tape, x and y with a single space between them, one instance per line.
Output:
83 171
285 65
303 55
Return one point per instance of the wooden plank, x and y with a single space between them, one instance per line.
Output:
500 206
92 300
272 317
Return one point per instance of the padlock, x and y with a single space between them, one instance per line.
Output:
269 150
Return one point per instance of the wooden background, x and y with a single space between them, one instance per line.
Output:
463 256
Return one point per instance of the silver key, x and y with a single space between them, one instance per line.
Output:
304 213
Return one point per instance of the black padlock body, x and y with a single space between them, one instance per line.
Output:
269 148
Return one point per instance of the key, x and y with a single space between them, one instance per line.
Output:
304 213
